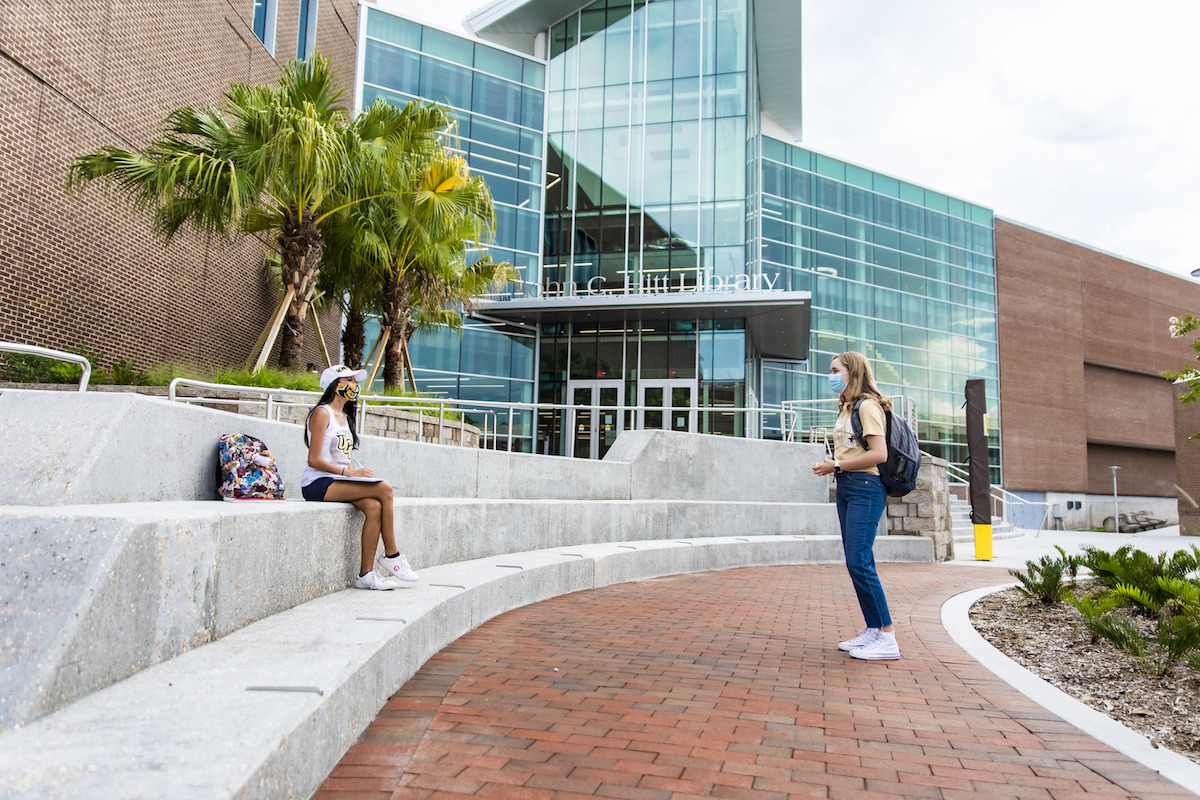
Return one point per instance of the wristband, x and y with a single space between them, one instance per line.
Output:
343 471
837 466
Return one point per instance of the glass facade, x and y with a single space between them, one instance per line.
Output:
498 99
631 162
901 273
645 158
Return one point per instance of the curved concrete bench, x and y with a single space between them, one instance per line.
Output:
267 711
113 558
91 594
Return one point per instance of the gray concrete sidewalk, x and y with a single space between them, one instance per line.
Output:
1012 553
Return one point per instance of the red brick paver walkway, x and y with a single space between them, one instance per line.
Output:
726 684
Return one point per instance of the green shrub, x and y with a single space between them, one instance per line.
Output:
1136 585
266 378
1043 580
23 368
1140 570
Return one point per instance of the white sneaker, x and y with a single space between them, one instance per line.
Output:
882 648
373 580
398 568
865 636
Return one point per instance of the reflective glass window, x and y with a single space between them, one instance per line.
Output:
393 29
496 98
392 67
446 83
448 46
496 62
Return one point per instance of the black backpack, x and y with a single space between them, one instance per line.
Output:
899 472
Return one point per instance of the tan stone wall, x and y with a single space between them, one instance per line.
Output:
86 270
1082 337
925 511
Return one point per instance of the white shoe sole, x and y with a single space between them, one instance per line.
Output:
859 654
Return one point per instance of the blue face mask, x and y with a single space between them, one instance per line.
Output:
836 384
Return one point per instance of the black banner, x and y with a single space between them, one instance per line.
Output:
977 450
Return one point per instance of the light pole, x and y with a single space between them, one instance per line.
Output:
1116 516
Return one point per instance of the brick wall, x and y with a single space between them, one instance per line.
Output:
86 270
1082 337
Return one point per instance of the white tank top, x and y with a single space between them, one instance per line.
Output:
335 447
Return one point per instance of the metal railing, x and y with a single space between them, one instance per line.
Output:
275 401
58 355
498 421
812 420
1002 500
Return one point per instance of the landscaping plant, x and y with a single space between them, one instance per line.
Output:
1043 579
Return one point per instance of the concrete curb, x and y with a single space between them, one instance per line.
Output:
268 711
956 620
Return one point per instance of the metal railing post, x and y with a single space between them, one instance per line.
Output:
45 352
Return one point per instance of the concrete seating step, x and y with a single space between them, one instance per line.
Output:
267 711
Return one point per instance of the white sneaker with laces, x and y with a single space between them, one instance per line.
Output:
398 568
373 580
882 648
865 636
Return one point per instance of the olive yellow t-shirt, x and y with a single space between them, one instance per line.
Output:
874 423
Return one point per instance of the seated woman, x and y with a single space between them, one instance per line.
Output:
332 476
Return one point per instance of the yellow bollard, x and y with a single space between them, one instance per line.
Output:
983 542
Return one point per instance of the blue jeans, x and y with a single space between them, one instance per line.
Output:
861 498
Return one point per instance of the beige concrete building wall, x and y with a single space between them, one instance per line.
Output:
86 271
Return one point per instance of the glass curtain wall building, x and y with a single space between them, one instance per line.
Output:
680 261
498 99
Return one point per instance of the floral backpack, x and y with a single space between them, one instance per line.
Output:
247 470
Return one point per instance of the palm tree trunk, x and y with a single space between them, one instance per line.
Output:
354 339
300 252
393 363
393 306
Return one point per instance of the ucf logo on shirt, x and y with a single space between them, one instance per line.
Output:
344 443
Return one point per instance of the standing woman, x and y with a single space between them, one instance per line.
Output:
332 476
861 497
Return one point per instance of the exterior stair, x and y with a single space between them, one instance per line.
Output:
964 529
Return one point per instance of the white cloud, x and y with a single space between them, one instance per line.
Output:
1075 117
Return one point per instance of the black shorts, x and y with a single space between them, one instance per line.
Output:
317 489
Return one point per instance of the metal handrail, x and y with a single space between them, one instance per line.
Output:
492 411
997 493
46 352
902 405
275 405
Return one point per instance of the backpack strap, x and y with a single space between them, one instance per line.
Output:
856 425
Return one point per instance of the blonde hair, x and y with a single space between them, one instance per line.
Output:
860 381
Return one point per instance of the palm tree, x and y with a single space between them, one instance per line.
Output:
423 237
349 280
275 160
265 162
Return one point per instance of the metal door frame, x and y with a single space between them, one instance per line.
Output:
667 384
594 411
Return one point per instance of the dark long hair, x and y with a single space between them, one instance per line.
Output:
351 410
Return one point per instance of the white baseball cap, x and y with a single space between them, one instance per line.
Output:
331 374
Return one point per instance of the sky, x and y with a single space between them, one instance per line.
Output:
1077 117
